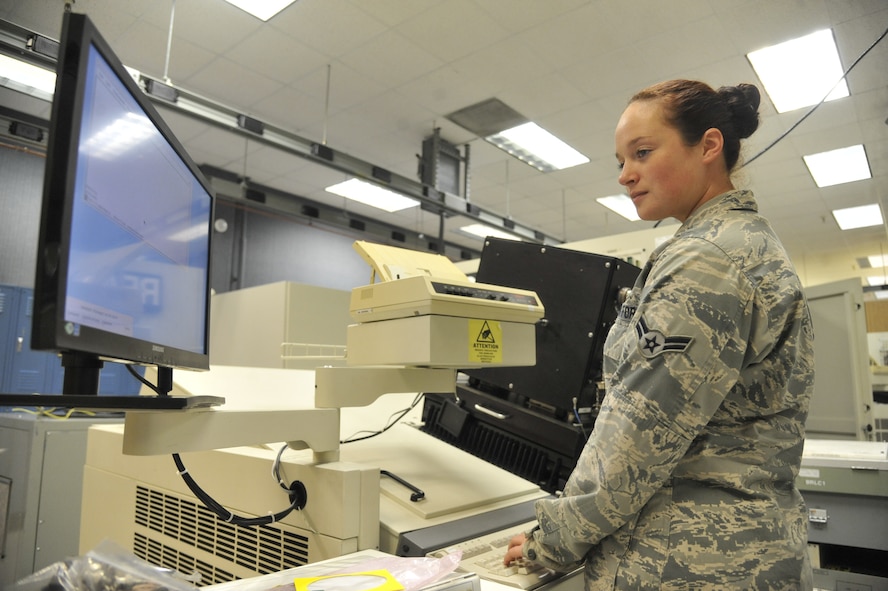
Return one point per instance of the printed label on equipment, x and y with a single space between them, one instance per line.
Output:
485 341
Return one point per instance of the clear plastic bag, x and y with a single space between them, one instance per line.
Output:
413 573
108 567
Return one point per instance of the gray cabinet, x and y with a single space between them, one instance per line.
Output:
41 482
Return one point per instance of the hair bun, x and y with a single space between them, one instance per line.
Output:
743 102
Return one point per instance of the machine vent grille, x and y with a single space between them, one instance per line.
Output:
164 556
263 549
501 449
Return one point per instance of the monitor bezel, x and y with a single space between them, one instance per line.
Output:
48 323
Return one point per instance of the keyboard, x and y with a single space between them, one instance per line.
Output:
484 557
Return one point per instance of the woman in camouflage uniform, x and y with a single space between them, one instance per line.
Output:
687 481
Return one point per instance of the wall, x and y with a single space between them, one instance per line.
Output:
261 247
816 270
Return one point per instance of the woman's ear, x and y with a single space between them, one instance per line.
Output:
712 143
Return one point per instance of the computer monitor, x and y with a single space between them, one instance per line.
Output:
124 244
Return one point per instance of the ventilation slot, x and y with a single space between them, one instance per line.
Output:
261 549
166 557
501 449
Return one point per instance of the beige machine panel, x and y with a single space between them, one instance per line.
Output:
261 405
416 296
248 327
143 504
442 341
415 283
456 484
426 313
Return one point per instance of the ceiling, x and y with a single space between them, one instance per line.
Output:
373 78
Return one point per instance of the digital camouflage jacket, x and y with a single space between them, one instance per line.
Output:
687 480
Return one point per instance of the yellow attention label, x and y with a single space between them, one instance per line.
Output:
485 341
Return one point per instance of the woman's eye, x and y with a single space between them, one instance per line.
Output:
642 153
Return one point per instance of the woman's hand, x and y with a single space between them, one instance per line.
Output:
514 552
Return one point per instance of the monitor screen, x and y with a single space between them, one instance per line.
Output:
124 247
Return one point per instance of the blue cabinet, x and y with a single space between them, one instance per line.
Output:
24 371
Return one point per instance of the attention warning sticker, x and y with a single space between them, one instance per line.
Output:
485 341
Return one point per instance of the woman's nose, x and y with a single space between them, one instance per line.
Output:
626 177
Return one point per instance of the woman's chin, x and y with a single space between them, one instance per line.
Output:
647 216
652 216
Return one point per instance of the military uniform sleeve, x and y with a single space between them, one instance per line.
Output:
679 354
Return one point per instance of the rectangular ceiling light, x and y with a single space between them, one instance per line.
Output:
800 72
864 216
622 205
27 78
372 195
483 231
261 9
835 167
534 145
878 260
509 130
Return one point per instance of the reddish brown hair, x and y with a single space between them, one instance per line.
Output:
692 107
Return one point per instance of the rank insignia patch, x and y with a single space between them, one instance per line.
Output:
653 342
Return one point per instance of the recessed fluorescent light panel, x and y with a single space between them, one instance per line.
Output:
858 217
483 231
509 130
800 72
261 9
878 260
839 166
534 145
27 78
372 195
622 205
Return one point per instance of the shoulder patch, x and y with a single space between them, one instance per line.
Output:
653 342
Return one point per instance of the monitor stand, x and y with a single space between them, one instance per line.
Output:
81 390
